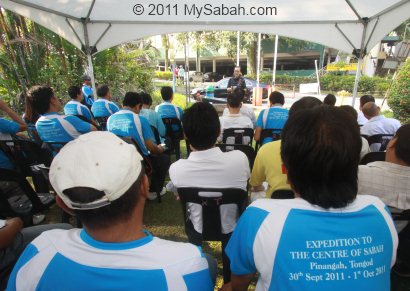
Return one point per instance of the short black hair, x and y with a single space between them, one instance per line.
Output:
402 148
146 98
330 100
366 98
74 91
277 97
321 151
117 211
166 93
349 109
201 125
102 90
235 99
40 98
132 99
306 102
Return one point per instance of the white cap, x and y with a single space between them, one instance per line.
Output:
98 160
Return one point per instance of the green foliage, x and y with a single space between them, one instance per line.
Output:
179 99
367 85
163 75
399 94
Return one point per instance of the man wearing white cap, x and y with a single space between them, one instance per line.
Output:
113 251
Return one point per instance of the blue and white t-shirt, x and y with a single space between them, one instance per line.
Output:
294 245
88 95
127 123
104 108
7 128
73 260
275 117
169 110
76 108
54 127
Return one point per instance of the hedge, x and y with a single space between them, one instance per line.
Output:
163 75
399 94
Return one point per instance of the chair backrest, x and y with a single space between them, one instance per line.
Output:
33 134
373 157
211 213
147 162
173 128
246 149
55 147
271 134
282 194
102 123
378 142
12 206
238 136
156 134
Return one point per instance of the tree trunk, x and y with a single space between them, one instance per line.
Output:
252 55
165 44
198 59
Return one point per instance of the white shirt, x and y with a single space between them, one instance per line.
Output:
245 110
365 147
212 169
380 125
234 121
361 119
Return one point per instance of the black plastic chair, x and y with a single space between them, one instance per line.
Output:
246 149
239 136
378 142
33 134
173 127
273 133
282 194
56 146
156 135
16 206
373 157
102 123
211 216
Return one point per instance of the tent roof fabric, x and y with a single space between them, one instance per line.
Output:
102 24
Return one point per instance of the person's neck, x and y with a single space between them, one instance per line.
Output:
276 105
234 110
395 160
123 232
78 99
52 110
195 150
145 106
131 109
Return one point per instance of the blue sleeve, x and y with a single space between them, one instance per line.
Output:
79 125
259 122
160 125
113 107
240 245
8 126
26 256
86 113
199 281
146 129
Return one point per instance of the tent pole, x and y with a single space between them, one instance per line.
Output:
238 47
275 58
91 72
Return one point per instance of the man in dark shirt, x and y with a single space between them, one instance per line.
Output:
236 81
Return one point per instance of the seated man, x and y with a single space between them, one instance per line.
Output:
268 163
153 117
113 251
128 123
166 109
74 106
13 240
390 181
234 119
87 91
103 107
328 238
361 119
52 126
208 167
275 117
377 124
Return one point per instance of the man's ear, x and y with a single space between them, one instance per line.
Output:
63 206
143 190
392 143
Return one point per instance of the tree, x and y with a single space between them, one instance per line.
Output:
399 94
165 44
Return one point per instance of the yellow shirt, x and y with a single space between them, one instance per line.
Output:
268 167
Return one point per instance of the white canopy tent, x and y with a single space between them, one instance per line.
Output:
95 25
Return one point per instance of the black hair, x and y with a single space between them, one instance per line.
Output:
74 91
276 98
366 98
201 125
30 115
40 98
321 151
306 102
166 93
117 211
330 100
235 99
349 109
132 99
102 91
146 98
402 148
